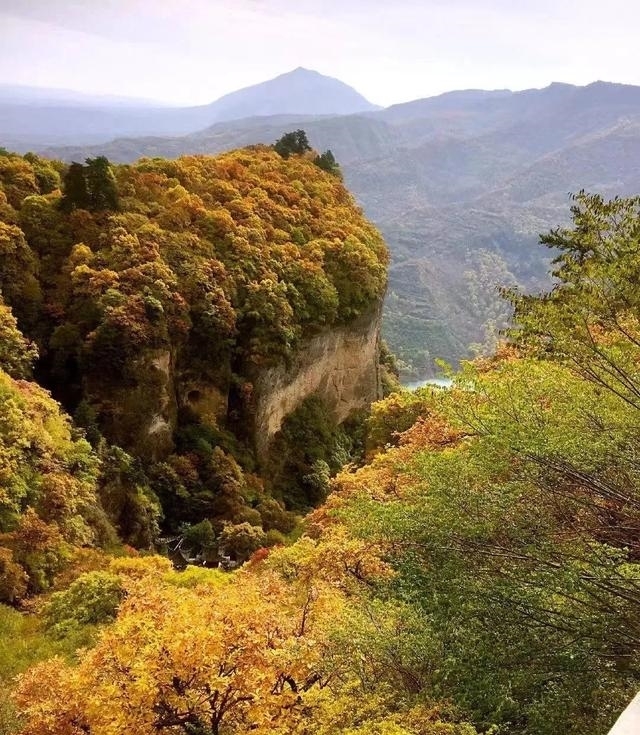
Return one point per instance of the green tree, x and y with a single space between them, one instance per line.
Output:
200 537
47 176
92 599
75 189
294 143
327 162
19 276
240 540
102 186
17 353
591 319
127 498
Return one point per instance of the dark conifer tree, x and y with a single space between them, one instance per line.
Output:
74 186
103 189
292 143
327 162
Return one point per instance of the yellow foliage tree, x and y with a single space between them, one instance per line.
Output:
201 660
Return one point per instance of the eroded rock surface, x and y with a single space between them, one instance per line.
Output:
339 365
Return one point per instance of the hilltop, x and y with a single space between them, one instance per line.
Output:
178 309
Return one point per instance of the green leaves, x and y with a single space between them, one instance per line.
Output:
327 162
92 187
17 353
514 531
93 598
292 144
590 319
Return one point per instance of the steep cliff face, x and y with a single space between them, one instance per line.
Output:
340 365
141 414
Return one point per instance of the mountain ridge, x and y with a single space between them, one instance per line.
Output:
30 116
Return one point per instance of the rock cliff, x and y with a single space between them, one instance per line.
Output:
340 365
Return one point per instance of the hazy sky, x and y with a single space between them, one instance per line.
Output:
193 51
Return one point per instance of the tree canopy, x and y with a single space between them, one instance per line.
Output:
477 574
294 143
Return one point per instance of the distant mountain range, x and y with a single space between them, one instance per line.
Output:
461 184
31 116
18 94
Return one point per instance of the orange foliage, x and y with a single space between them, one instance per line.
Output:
236 660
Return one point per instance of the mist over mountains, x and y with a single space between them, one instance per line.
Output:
461 184
31 116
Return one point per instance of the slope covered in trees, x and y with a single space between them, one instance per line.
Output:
479 574
155 294
509 509
49 501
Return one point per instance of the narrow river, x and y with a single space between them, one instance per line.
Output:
441 382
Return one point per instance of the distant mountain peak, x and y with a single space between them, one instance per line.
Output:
299 91
300 72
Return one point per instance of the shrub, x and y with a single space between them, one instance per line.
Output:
91 600
292 143
274 538
13 578
241 540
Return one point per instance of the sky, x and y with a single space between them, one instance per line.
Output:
194 51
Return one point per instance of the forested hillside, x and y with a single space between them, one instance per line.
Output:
477 574
149 300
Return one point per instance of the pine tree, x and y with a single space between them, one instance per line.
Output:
76 193
103 189
327 162
292 143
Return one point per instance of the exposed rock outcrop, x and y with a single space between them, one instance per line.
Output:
340 365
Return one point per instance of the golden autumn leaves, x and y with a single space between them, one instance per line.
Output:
234 655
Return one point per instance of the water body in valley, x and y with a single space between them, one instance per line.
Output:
440 382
